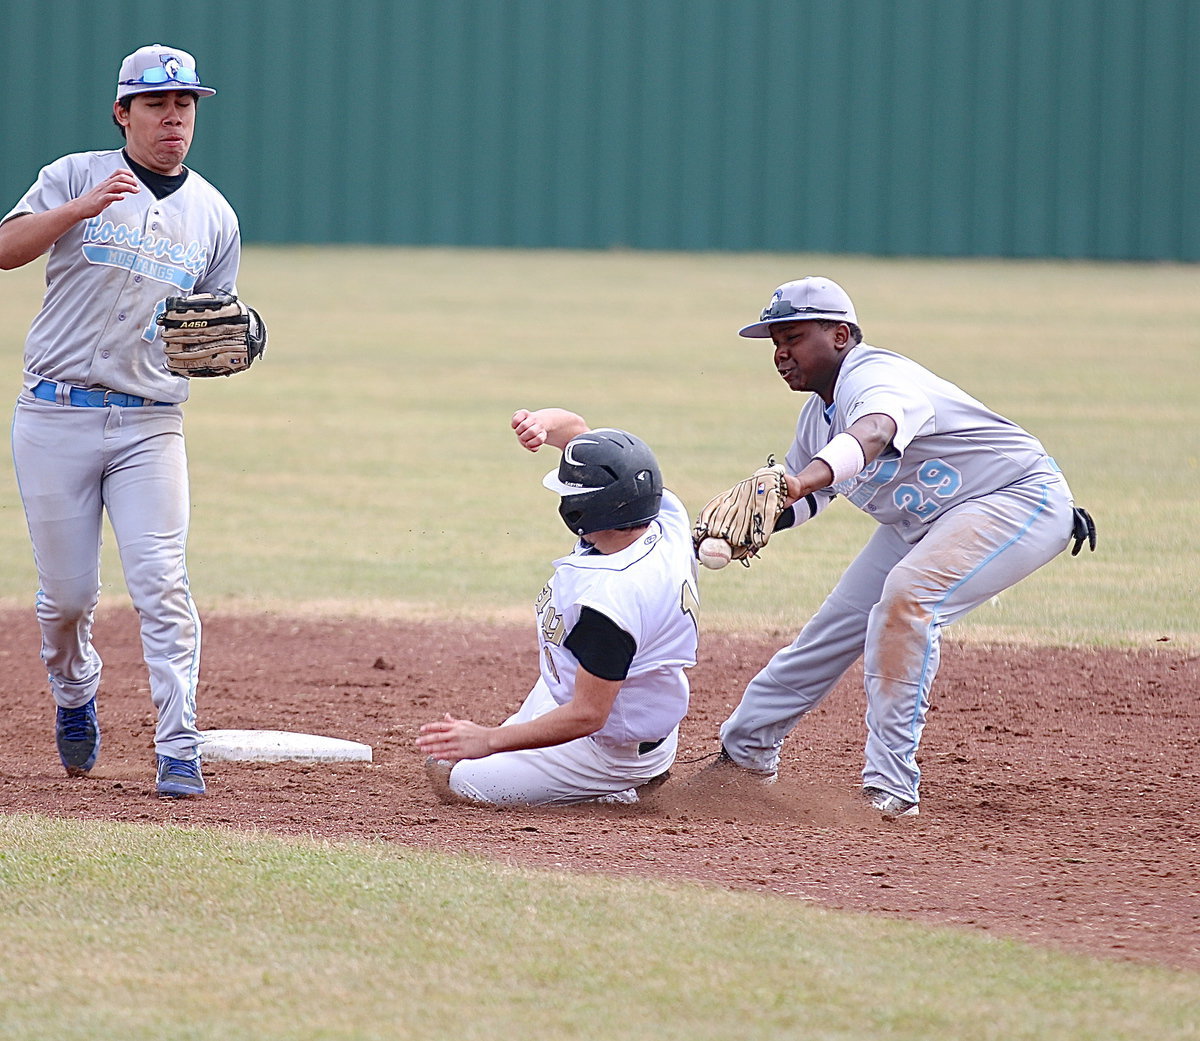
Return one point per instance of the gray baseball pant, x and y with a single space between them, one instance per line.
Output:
890 606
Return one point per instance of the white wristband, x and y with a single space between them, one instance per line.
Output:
844 456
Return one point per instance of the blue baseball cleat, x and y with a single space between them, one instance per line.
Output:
179 777
77 734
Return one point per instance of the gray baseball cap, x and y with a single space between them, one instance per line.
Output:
159 67
810 297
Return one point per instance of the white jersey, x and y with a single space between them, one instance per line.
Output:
948 446
649 589
107 277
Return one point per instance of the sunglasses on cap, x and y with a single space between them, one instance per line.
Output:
162 74
783 309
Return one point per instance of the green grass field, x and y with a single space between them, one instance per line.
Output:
202 935
365 466
366 463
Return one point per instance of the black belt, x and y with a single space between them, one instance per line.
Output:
649 746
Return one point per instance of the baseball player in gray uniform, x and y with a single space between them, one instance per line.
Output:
968 504
98 425
617 629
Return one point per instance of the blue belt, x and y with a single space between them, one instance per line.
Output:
47 390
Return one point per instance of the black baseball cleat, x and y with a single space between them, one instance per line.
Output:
77 734
438 773
657 781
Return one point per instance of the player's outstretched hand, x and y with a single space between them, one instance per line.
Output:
529 429
454 739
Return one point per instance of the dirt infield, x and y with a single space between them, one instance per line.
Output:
1061 793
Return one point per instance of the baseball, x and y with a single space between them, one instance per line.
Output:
715 553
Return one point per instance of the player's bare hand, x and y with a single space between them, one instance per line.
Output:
27 236
114 187
547 426
454 739
529 429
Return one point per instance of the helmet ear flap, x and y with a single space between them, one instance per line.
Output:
571 517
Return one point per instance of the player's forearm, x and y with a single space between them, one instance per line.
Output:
560 425
27 236
873 433
584 714
813 477
556 727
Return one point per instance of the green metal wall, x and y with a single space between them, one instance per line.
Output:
1066 128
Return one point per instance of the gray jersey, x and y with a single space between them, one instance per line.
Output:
968 504
107 277
948 447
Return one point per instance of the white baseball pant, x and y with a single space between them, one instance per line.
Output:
577 771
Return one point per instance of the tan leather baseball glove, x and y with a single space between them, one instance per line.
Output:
745 515
210 334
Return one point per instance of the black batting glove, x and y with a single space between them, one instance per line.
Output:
1084 530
